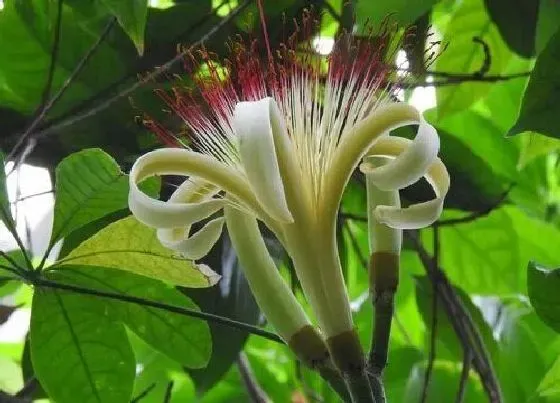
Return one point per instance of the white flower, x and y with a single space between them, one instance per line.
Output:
278 141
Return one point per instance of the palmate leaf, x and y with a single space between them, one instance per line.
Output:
182 338
78 352
131 246
79 347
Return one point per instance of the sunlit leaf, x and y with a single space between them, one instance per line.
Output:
489 256
131 246
549 388
464 56
89 186
403 11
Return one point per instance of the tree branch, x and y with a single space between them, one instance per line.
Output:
477 214
133 87
168 391
143 394
48 104
433 327
461 321
254 390
220 320
467 359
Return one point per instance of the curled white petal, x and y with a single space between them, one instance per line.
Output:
412 163
194 246
252 122
160 214
417 215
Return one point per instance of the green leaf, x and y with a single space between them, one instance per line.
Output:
131 246
485 141
549 388
528 348
6 211
533 145
543 286
489 256
78 352
131 15
548 22
516 21
444 384
180 337
540 109
31 25
403 11
465 57
89 186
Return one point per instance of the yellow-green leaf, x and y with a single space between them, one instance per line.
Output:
129 245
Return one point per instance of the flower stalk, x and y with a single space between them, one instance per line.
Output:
385 246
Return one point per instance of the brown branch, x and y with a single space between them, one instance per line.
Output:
168 391
143 394
40 111
433 327
467 360
220 320
461 321
254 390
140 66
153 75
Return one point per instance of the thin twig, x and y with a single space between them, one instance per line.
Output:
461 321
433 326
40 111
41 282
153 75
50 103
9 222
54 54
467 359
46 192
133 72
477 214
254 390
143 394
168 391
